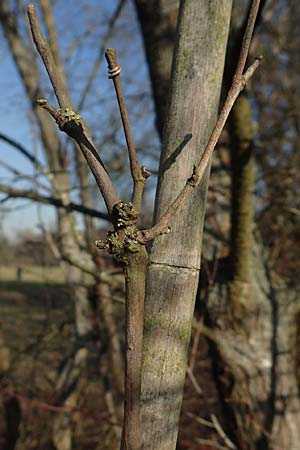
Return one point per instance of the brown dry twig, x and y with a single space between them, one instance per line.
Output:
41 404
222 433
139 174
239 82
47 57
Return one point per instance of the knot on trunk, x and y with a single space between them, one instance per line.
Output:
124 239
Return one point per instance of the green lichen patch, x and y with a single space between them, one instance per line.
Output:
124 239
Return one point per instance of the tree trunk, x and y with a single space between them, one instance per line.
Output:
253 318
276 309
254 354
175 259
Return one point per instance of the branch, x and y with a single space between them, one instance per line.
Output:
21 176
39 166
46 55
48 200
139 174
211 443
41 404
75 127
46 8
246 42
222 433
238 84
95 68
67 120
83 266
216 425
104 277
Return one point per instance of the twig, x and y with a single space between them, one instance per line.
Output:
82 266
50 241
47 200
204 422
214 421
73 124
21 176
222 433
239 82
47 57
213 424
194 381
195 348
207 332
41 404
247 39
211 443
139 174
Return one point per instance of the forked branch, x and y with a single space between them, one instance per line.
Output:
67 120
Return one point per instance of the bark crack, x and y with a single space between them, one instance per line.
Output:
175 266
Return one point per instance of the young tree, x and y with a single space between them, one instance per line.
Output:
172 265
173 273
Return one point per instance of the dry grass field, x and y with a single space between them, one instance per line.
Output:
37 326
33 274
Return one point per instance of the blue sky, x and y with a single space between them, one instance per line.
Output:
18 124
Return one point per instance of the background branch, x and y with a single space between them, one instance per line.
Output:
48 200
39 166
95 68
51 31
21 176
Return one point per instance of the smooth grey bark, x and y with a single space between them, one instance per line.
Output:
274 310
175 258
